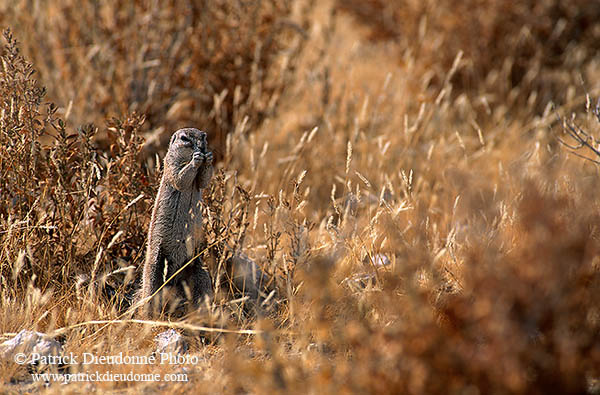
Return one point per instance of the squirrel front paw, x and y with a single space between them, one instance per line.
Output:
198 158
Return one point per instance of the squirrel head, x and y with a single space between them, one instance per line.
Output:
188 139
183 144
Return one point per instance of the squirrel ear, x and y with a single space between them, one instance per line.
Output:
172 138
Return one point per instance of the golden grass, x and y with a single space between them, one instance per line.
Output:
337 148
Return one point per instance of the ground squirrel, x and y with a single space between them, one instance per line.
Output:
175 228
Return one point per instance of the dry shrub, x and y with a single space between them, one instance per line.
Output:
208 63
522 45
63 202
71 208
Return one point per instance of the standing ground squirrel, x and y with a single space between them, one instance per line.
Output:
176 225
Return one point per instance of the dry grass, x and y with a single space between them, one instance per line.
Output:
336 149
514 53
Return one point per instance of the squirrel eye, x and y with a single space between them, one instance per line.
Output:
185 139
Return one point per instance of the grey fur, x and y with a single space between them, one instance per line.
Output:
248 278
176 225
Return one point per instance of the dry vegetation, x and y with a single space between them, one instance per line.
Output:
418 131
